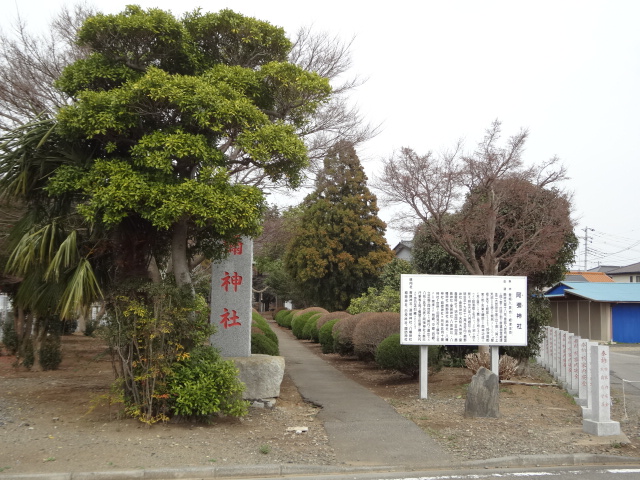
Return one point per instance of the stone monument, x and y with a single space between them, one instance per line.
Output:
231 314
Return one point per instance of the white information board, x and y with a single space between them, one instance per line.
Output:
463 310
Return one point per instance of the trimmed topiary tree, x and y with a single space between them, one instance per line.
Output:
391 355
260 322
343 335
325 336
310 327
263 345
372 329
279 316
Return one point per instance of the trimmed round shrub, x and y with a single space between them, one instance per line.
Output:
343 335
391 355
204 384
310 327
279 316
260 322
326 336
324 318
372 329
261 344
50 353
287 318
299 321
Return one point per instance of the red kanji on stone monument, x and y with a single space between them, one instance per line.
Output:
229 319
236 249
233 280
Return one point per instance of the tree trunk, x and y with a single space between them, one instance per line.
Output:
180 260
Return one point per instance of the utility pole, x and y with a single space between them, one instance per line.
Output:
587 240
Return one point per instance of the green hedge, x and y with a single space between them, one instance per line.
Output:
326 336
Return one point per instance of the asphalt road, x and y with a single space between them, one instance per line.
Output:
625 376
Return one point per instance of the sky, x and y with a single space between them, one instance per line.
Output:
440 71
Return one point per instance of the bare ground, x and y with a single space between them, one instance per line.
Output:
55 421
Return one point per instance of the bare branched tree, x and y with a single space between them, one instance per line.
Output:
30 63
485 208
338 120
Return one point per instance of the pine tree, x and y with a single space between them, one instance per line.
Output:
340 249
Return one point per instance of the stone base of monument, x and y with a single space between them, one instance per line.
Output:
601 429
262 375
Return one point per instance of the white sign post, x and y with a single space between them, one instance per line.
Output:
462 310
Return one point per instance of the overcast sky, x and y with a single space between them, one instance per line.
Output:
568 71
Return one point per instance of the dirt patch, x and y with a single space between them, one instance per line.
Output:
53 421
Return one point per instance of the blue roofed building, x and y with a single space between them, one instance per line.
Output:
597 311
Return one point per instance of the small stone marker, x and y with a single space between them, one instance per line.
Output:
599 422
482 395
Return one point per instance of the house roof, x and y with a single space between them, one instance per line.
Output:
604 268
587 277
597 291
402 245
633 268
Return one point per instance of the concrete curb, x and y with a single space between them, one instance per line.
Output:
286 470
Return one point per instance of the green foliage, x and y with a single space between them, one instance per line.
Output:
287 318
9 337
428 256
386 299
299 322
340 249
260 322
310 327
261 344
405 358
202 384
538 316
148 331
280 316
90 327
50 352
391 272
326 336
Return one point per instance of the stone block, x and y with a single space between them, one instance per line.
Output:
262 374
482 395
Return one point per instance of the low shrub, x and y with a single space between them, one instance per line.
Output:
324 318
263 345
287 318
507 366
279 316
50 353
325 336
9 336
260 322
299 321
372 328
203 384
90 327
343 335
310 330
405 359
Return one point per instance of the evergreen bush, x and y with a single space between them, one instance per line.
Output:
9 337
326 336
298 323
324 318
343 335
372 329
203 384
405 359
263 345
287 318
260 322
310 327
279 316
50 353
